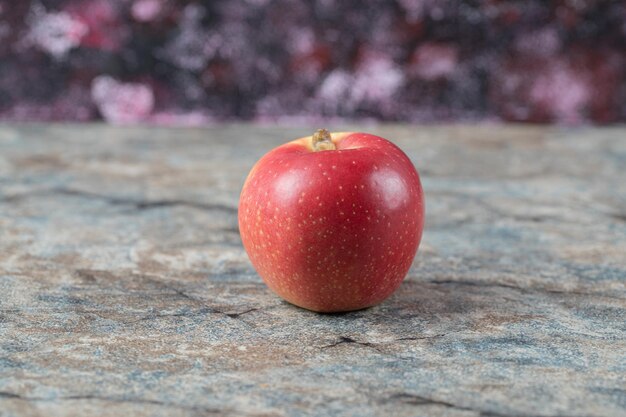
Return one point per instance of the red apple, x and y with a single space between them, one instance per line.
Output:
332 222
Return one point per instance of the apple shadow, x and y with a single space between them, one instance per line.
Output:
422 309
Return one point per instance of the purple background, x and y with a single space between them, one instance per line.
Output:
190 62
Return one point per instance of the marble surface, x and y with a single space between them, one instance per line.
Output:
125 289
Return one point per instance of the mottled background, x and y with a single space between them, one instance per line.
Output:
194 62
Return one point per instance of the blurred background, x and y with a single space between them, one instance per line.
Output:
198 62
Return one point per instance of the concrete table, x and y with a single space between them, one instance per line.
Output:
124 288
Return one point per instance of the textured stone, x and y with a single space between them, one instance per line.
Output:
125 289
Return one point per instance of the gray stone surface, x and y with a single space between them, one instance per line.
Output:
124 288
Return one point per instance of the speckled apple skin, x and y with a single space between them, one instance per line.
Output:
333 230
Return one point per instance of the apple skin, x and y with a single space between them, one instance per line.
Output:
333 230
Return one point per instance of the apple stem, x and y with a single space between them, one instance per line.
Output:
322 141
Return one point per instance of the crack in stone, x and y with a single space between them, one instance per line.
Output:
237 315
574 292
419 400
414 399
475 284
203 311
181 314
117 400
229 229
434 336
143 204
4 394
207 308
134 203
521 289
92 276
348 340
619 216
